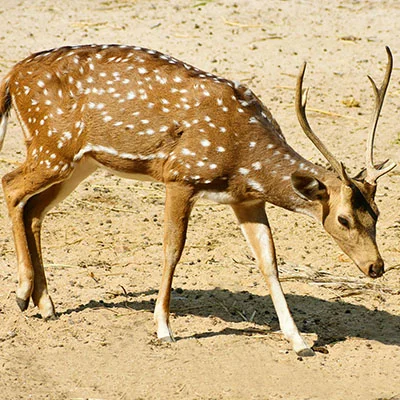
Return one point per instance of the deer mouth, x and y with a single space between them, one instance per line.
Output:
373 269
376 270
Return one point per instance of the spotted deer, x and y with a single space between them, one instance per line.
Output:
144 115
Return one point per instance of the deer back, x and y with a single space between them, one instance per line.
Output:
138 111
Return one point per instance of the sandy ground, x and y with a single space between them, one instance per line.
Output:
102 245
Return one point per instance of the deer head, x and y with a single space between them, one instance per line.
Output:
348 209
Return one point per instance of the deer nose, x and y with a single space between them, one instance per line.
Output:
376 270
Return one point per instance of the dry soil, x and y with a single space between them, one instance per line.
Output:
102 245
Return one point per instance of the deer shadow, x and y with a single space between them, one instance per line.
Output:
331 321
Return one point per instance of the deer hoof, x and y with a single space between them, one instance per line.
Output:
167 339
52 317
22 303
305 353
46 308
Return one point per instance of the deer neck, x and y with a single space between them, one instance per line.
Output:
283 161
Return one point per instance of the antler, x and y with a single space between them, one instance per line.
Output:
301 101
374 173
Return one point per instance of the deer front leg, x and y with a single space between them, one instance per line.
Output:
255 227
178 204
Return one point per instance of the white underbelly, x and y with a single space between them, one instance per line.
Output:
137 177
217 197
127 175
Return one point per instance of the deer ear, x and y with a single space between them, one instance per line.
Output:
367 189
308 187
361 175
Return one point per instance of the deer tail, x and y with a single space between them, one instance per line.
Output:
5 107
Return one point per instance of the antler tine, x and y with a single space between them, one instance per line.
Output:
374 173
301 101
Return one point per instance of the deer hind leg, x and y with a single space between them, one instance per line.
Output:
13 186
35 210
255 227
20 187
178 205
32 224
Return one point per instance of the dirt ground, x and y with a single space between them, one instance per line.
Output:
102 245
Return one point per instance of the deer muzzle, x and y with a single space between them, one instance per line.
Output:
375 269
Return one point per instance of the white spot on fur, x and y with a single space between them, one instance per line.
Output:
131 95
255 185
187 152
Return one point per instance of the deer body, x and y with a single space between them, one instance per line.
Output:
145 115
164 121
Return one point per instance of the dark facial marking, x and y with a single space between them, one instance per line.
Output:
359 201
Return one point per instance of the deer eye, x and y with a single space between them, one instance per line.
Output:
344 221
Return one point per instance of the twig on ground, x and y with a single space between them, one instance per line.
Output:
9 161
61 266
239 24
242 315
329 113
64 244
397 266
252 316
126 298
284 87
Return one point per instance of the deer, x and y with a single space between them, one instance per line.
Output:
142 114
